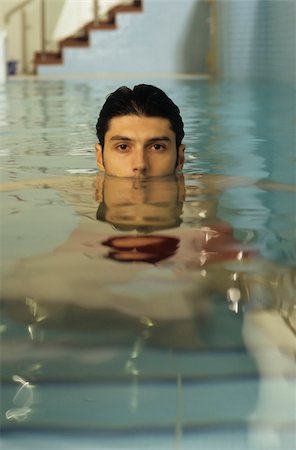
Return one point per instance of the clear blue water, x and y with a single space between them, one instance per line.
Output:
231 128
192 345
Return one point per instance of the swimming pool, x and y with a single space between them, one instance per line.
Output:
158 314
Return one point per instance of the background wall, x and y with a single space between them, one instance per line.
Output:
281 28
169 36
257 39
174 31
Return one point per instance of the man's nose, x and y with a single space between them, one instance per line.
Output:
139 163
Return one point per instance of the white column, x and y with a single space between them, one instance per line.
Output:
3 61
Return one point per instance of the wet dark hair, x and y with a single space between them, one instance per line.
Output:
142 100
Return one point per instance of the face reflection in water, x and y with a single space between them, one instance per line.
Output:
151 204
156 204
143 205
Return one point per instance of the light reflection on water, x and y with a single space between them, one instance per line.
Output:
151 305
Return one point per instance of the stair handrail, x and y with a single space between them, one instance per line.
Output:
21 8
96 12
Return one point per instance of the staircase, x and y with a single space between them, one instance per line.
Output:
172 37
82 39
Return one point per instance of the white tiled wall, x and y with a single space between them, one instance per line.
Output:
282 39
169 36
257 39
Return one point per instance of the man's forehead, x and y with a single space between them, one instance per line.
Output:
122 125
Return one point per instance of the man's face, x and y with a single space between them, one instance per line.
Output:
140 147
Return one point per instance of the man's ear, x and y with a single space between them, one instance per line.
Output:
99 157
180 159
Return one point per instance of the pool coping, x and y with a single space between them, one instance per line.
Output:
115 76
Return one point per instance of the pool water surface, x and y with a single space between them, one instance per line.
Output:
157 313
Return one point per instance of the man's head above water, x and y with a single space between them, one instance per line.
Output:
140 133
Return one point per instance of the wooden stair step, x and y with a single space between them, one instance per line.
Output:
100 26
81 41
48 58
136 7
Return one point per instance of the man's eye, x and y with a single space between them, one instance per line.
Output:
122 147
158 147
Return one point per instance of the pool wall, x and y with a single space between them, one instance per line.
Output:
257 39
166 37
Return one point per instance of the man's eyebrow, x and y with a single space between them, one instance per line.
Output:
159 138
120 138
